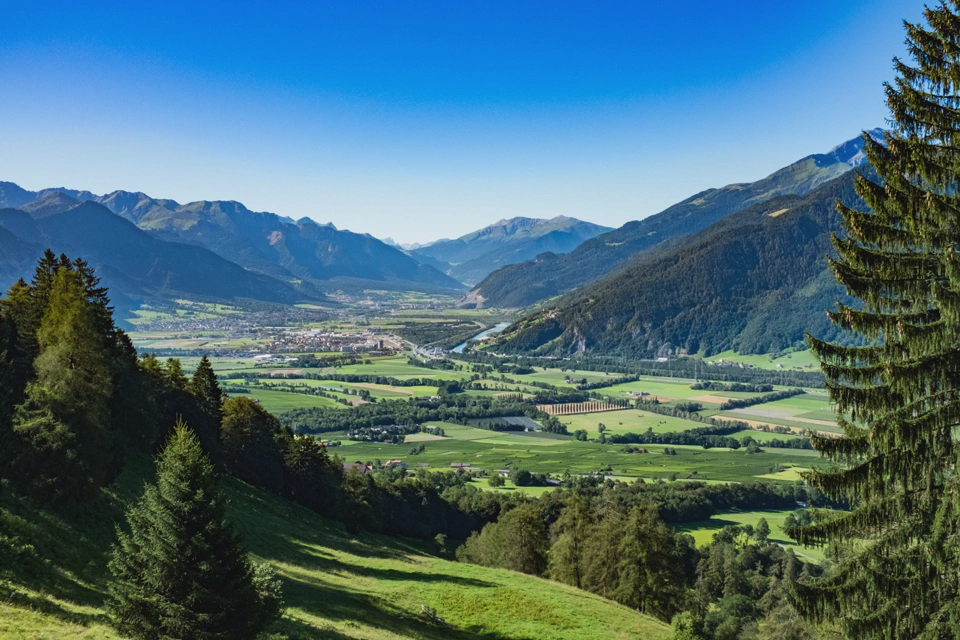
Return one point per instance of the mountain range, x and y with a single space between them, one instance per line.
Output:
551 274
303 252
134 264
752 282
470 258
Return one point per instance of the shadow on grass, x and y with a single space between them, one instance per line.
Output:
312 558
355 608
44 605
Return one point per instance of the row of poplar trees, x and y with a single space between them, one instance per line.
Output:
898 394
76 401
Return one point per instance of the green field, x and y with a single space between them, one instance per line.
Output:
336 586
703 531
280 401
801 360
491 450
398 367
806 411
626 421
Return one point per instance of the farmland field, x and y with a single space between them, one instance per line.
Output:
626 421
490 450
703 531
280 401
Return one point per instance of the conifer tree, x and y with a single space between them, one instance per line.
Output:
568 553
61 433
205 387
181 571
897 394
651 579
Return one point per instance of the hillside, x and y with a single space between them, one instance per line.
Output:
264 242
752 282
132 263
336 586
470 258
550 274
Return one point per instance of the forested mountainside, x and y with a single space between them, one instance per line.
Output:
549 274
132 262
472 257
752 282
263 242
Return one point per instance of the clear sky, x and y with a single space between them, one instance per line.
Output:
420 120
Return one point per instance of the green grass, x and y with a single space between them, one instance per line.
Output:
763 436
279 401
336 586
398 367
489 450
703 531
803 360
626 421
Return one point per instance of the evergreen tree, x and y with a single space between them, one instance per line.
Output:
61 433
762 533
568 553
249 434
897 395
524 540
181 571
176 378
205 387
651 578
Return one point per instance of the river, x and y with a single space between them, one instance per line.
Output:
497 328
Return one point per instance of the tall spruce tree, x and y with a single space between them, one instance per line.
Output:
181 571
897 395
568 553
60 444
205 387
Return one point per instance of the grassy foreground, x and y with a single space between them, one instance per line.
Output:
336 585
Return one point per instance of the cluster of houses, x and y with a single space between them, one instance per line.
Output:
372 342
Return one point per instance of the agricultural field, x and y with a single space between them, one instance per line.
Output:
667 390
280 401
543 453
398 367
703 531
806 411
626 421
798 360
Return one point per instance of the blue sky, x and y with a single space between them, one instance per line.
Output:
420 120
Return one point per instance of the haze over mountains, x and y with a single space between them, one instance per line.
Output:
551 274
470 258
132 262
310 255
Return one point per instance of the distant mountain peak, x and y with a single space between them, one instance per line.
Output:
52 203
850 152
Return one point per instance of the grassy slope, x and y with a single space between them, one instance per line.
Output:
703 531
336 586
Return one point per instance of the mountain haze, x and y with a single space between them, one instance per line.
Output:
264 242
133 263
551 274
472 257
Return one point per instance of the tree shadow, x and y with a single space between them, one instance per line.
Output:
327 563
348 607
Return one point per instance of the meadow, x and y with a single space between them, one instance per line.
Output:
491 450
704 530
336 585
